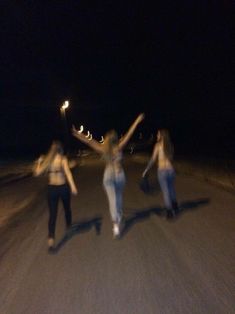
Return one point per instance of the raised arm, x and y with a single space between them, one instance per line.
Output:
92 143
37 168
42 163
130 132
69 176
152 159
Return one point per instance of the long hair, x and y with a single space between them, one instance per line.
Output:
56 148
110 142
167 144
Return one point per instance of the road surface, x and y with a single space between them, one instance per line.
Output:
157 267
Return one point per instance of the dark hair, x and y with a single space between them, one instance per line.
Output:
167 144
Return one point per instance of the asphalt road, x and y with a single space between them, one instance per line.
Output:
158 266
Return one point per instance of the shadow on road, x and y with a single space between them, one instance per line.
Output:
141 215
77 228
193 204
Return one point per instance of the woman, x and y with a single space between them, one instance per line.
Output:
60 183
114 176
163 154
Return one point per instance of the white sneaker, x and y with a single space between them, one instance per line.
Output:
116 230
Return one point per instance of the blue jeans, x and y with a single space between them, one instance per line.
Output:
114 182
166 179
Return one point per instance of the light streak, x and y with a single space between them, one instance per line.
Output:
81 129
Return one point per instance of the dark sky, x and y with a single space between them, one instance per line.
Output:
112 60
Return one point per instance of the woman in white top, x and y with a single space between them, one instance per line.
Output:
114 176
60 184
163 156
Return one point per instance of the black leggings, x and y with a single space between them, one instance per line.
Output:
55 192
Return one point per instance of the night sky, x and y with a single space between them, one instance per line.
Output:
112 60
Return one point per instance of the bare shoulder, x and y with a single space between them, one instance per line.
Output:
157 146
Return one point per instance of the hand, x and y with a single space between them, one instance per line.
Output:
140 118
40 159
74 190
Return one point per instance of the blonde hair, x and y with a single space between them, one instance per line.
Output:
56 148
167 144
110 143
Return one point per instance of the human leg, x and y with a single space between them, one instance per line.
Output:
66 200
119 186
53 198
163 181
111 195
164 184
109 186
115 215
171 187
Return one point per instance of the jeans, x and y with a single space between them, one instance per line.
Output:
55 193
166 179
114 182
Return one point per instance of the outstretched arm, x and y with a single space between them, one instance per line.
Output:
152 160
130 132
92 143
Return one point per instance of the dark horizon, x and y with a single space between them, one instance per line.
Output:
112 61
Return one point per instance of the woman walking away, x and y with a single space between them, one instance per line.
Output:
60 183
163 155
114 176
